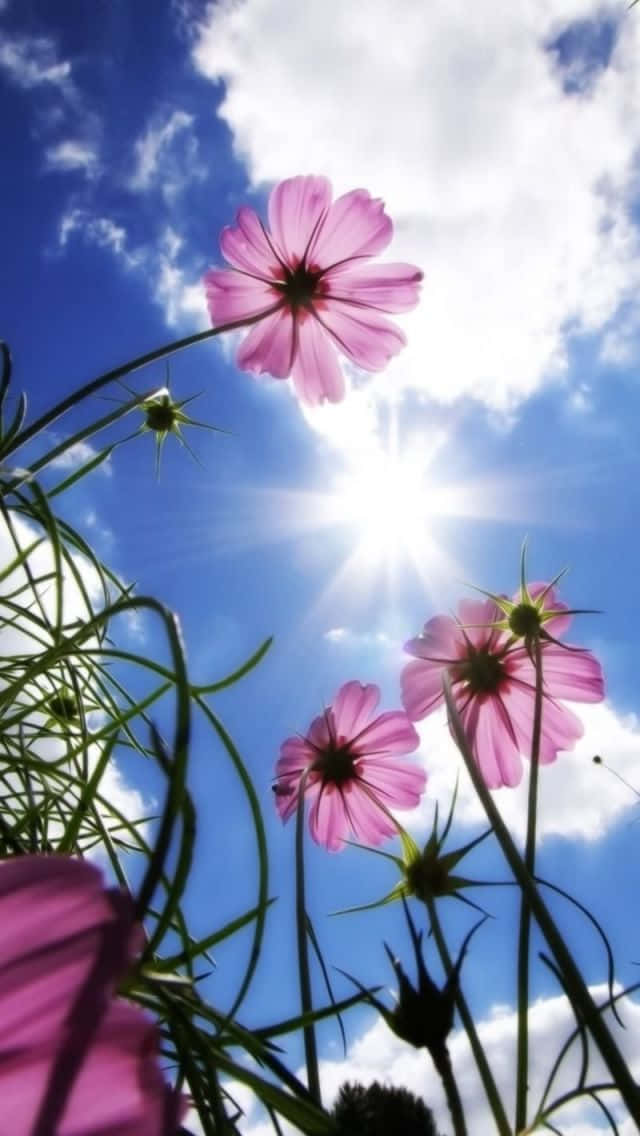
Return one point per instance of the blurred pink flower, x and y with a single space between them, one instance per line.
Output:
74 1060
346 765
307 285
493 684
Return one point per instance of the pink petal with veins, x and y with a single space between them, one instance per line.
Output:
386 287
353 707
494 744
232 296
269 346
392 732
399 785
421 685
568 672
316 371
362 334
297 207
247 247
356 225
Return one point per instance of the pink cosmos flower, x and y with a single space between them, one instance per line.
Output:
493 684
73 1059
347 765
307 284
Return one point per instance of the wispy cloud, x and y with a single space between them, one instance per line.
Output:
174 288
101 231
32 61
166 155
73 154
347 637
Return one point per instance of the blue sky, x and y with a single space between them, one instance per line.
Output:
505 146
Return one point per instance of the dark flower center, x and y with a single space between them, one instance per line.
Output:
482 670
427 876
335 763
63 706
161 417
525 620
300 285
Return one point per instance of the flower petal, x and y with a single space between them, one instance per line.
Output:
269 346
316 371
54 914
476 617
390 733
368 823
63 1040
560 729
328 822
352 709
421 684
493 741
296 209
387 287
572 673
399 784
568 672
246 246
124 1054
233 296
441 641
355 225
366 337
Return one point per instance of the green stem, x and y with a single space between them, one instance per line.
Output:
119 373
306 999
577 991
444 1068
524 937
491 1089
80 436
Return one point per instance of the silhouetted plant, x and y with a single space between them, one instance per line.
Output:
380 1110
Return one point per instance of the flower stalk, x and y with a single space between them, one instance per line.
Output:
576 987
491 1089
114 375
306 997
524 936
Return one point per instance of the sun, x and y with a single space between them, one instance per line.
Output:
387 497
383 521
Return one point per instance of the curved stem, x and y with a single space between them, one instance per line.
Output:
442 1062
125 369
524 936
306 999
491 1089
576 987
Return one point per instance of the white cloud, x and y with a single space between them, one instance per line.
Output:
378 1055
103 232
578 800
181 298
347 637
79 454
159 161
511 193
73 154
31 61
